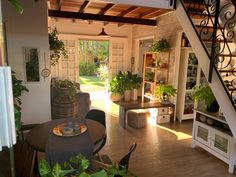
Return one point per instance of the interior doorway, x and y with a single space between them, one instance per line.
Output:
93 59
144 45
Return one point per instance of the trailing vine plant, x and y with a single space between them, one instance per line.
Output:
57 46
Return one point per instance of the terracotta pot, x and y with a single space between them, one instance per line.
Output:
127 95
115 96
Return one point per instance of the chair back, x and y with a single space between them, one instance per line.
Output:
97 115
124 162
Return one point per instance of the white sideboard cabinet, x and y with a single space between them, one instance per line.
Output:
211 132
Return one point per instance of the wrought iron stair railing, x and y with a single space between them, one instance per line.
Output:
215 24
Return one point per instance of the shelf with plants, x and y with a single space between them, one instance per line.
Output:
155 68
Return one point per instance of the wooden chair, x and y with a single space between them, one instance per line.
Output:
99 116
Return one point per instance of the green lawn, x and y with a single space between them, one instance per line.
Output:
91 83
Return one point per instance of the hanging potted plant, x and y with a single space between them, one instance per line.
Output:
205 94
18 90
164 92
57 47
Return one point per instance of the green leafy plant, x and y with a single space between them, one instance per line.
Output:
149 76
87 68
78 167
136 81
116 84
67 85
163 91
161 46
204 93
57 46
18 90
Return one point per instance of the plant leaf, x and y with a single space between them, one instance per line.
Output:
17 5
44 168
101 173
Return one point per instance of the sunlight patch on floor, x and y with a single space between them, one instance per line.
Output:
179 135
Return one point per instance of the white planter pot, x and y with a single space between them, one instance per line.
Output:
134 94
115 96
127 95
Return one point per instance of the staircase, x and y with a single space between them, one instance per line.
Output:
211 27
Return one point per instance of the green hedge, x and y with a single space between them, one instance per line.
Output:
87 68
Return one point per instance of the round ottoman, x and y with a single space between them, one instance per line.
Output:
137 118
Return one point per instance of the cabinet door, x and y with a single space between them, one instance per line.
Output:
202 133
221 143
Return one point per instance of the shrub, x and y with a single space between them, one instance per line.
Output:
87 68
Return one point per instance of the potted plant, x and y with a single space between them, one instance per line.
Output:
127 80
116 87
18 90
136 84
163 92
161 46
56 46
204 93
64 101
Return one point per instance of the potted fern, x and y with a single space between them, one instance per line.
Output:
163 92
205 94
57 47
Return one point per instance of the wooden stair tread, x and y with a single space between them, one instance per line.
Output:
198 16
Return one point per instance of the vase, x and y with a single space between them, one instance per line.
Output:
134 94
115 96
127 95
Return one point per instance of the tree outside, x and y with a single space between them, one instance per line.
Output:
93 64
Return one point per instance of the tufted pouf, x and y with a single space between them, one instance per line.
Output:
137 118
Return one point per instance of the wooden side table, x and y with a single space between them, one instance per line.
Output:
126 106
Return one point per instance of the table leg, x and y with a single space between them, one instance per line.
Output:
122 116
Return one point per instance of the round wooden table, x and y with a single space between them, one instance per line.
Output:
37 138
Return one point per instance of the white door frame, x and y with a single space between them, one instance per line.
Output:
137 54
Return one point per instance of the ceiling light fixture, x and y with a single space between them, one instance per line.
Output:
103 33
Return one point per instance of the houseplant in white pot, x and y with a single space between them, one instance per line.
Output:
128 85
205 94
136 84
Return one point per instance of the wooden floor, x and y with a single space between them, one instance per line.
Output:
162 151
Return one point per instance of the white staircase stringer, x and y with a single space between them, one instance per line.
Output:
204 62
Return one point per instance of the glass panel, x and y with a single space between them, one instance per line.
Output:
202 133
221 143
188 104
32 64
192 71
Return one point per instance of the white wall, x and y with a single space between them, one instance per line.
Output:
29 30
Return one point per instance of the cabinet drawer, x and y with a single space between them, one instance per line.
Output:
162 111
163 119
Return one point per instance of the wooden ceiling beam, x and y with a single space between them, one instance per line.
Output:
84 6
104 10
148 13
127 11
97 17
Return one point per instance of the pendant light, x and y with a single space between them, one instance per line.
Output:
103 33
